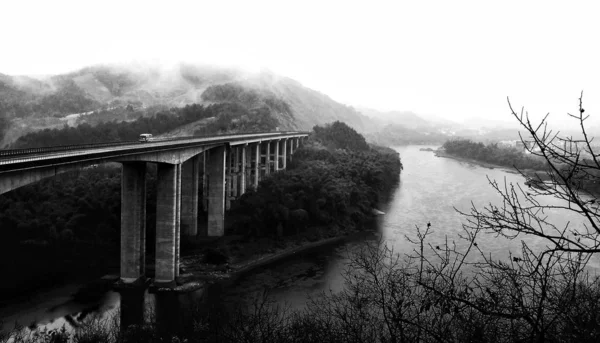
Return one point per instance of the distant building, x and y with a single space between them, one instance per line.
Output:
508 144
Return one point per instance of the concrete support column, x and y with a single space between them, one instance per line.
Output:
228 178
284 157
178 221
249 166
205 157
268 159
216 191
190 175
168 201
236 172
277 155
243 170
256 165
133 221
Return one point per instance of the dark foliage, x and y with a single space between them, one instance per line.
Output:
337 187
338 135
227 117
492 153
232 92
66 99
60 227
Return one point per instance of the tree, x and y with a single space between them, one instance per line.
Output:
545 293
572 166
454 291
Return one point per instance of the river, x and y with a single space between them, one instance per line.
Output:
429 191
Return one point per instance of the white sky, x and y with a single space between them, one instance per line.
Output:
454 59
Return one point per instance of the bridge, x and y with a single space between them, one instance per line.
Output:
229 165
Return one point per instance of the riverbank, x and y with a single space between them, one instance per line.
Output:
252 253
198 273
530 173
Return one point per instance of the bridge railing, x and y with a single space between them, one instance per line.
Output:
60 148
12 155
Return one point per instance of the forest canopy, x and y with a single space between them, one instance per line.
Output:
336 177
494 153
219 118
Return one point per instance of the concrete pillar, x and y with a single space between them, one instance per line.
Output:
190 174
228 178
168 200
205 180
256 165
284 157
216 191
236 172
276 159
133 221
178 221
243 170
249 166
268 159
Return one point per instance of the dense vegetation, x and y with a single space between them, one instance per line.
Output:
220 118
28 104
493 153
58 225
232 92
340 136
65 98
337 186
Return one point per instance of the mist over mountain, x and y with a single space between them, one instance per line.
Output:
104 93
28 104
406 119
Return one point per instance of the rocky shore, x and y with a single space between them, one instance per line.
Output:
198 273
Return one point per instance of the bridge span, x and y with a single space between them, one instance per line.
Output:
229 165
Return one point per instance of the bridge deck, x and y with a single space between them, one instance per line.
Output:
17 159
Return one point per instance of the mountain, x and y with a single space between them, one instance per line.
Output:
122 92
406 119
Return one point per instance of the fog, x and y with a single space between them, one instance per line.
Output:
455 60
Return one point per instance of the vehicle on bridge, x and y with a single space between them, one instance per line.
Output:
146 137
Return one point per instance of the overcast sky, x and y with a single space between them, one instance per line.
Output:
454 59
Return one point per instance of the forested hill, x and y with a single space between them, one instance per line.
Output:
115 93
198 119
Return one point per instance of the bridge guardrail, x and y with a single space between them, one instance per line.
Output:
18 155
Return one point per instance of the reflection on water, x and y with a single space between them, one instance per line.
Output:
430 190
170 311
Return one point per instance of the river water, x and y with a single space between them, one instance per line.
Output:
430 190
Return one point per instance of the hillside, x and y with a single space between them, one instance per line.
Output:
105 93
406 119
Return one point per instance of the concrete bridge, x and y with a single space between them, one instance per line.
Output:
229 164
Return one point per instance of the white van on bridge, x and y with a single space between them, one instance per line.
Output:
146 137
